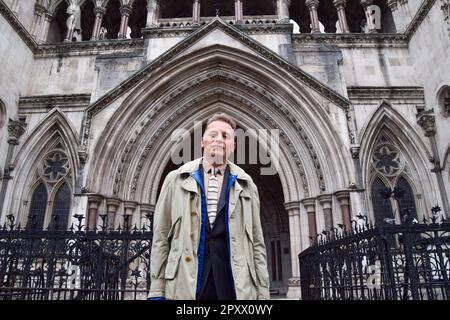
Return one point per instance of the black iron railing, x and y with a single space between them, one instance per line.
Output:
408 261
74 264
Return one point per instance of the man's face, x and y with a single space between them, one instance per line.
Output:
218 142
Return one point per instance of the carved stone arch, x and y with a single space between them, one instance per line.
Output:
54 129
289 173
285 94
386 120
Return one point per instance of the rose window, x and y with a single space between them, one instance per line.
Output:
386 160
55 165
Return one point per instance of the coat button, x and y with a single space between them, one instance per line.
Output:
187 258
193 213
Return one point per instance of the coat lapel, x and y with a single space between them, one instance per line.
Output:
235 190
189 184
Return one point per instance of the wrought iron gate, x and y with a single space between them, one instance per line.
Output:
409 261
74 264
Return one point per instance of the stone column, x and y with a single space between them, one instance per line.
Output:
325 201
15 130
340 8
94 202
343 197
130 211
368 12
283 10
152 13
293 209
238 11
99 13
42 38
427 121
112 204
147 210
125 11
196 12
310 206
39 12
312 6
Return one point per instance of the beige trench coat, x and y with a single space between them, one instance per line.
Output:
177 228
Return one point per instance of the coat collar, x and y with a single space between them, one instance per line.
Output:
193 166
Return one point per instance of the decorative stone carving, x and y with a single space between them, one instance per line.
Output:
212 76
387 160
54 166
427 121
15 130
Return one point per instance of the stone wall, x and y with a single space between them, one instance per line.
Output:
16 72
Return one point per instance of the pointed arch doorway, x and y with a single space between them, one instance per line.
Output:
274 217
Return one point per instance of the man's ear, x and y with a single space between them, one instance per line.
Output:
202 143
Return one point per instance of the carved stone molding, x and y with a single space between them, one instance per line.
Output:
213 76
419 17
45 102
18 26
84 48
15 130
351 39
400 95
296 72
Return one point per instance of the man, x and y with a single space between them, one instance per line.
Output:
207 238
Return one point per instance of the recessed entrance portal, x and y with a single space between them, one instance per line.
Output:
274 217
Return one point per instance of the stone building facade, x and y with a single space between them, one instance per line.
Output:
92 90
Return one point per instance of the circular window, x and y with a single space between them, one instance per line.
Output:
387 160
54 166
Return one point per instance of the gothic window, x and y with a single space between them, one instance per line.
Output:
61 208
405 198
54 172
38 206
381 202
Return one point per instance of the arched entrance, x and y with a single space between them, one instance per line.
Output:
274 217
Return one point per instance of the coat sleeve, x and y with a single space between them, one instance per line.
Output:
259 249
160 246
